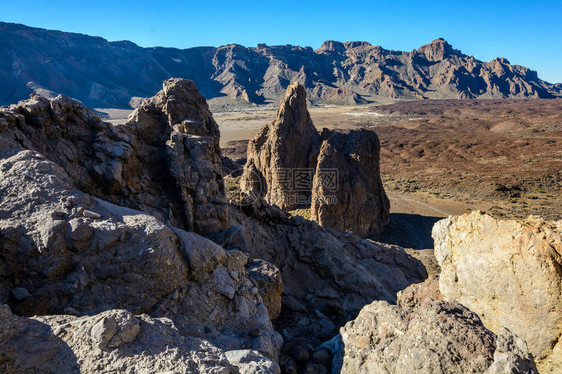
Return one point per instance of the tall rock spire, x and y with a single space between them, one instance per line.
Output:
335 174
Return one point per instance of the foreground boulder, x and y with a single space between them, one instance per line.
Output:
509 273
336 175
112 341
66 252
165 161
429 336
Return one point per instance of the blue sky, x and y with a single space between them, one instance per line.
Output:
528 33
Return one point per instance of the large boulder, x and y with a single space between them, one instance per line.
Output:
510 273
337 175
430 336
347 191
164 161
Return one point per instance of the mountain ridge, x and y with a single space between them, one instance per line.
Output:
101 73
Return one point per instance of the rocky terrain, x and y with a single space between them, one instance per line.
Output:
117 74
120 251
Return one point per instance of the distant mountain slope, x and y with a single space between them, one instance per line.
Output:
109 74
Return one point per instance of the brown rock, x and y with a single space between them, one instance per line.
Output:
280 148
336 175
356 201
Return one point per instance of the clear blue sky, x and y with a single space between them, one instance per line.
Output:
528 33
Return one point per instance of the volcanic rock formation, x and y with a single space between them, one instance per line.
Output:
94 244
289 144
328 275
115 74
510 274
64 251
92 234
361 204
336 174
165 161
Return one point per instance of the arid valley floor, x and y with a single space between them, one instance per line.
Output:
438 157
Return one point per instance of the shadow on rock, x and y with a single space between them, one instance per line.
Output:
408 231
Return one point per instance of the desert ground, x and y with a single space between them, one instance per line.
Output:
439 157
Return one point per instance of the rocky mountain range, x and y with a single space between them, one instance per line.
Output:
116 74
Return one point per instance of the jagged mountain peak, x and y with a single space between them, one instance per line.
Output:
438 50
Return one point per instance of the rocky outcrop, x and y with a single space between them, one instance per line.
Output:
77 254
94 245
178 116
356 201
270 284
115 74
431 336
112 341
66 250
165 161
335 174
509 273
279 149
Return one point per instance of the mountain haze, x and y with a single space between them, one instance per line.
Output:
109 74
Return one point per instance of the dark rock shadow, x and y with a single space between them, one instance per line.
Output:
408 231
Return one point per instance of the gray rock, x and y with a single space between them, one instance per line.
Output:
432 337
20 293
165 161
270 284
113 341
252 362
231 238
511 356
326 270
130 260
90 214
